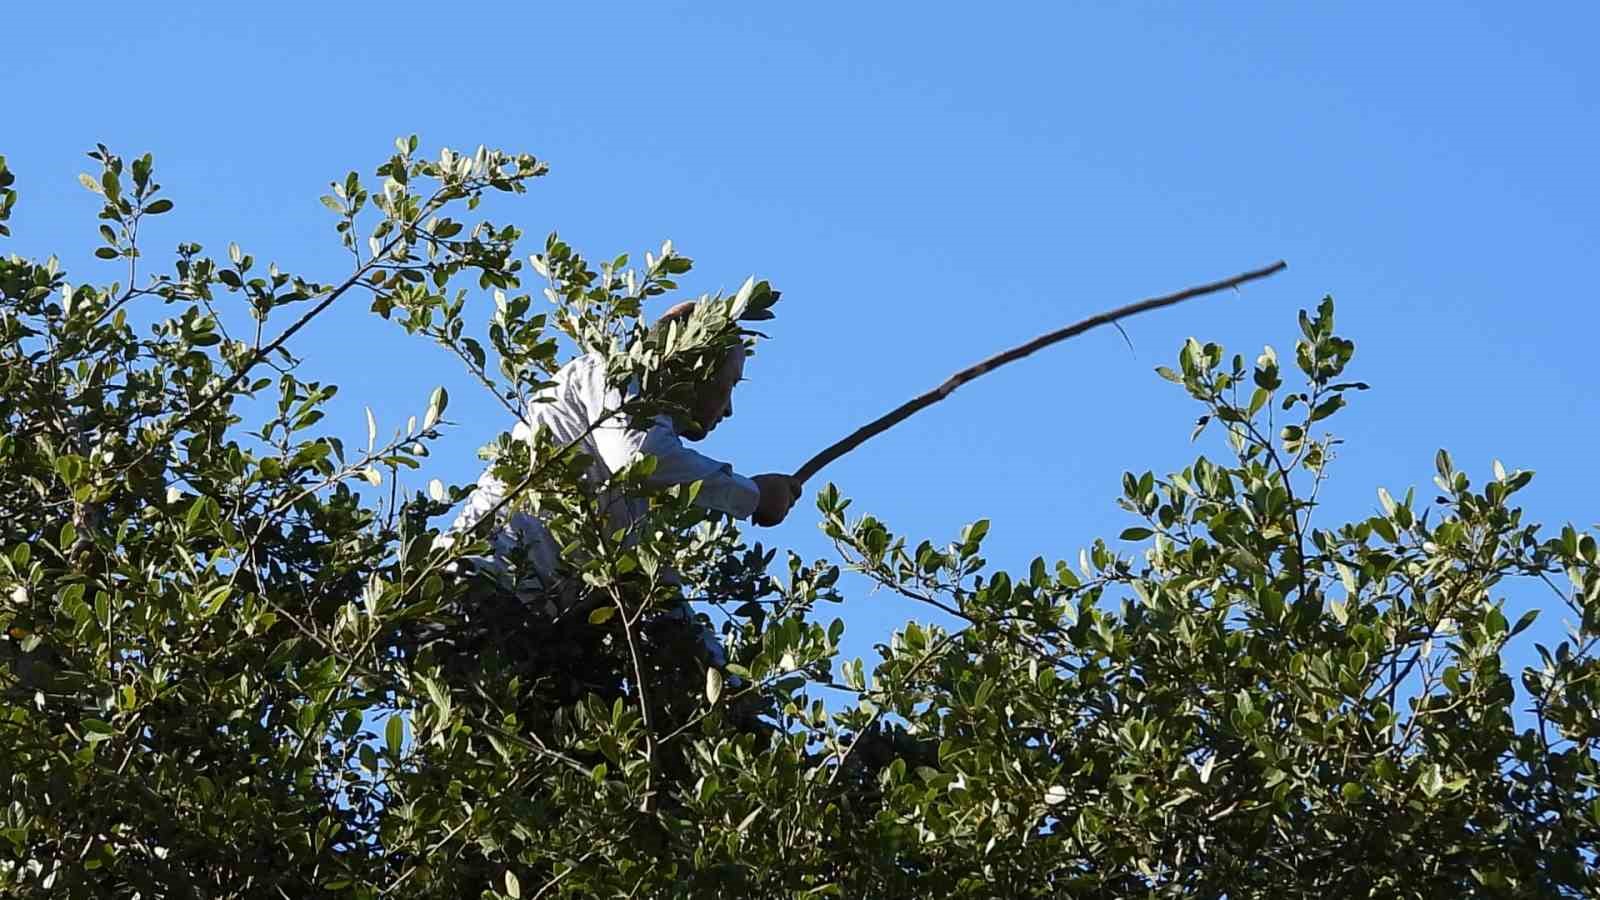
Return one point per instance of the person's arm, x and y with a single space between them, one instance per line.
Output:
488 495
721 488
619 445
764 499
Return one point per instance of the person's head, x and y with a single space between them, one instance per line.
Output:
712 401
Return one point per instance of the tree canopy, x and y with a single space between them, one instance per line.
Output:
237 661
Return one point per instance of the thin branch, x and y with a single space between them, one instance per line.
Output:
916 669
557 879
910 407
262 353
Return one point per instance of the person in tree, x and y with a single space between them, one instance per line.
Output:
578 409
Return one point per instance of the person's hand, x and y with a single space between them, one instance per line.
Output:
778 494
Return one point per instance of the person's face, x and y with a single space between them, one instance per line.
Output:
713 402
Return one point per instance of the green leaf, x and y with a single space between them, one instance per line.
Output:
196 510
602 614
1430 781
744 824
975 533
1328 407
71 468
513 886
1272 605
713 685
158 207
394 734
1136 533
1523 622
741 300
1347 576
213 600
436 406
1385 528
96 731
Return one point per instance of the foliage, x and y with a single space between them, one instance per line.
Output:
231 669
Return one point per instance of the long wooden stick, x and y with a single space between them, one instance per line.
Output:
905 410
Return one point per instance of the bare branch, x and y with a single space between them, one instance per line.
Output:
906 410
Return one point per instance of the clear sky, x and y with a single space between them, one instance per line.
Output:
927 184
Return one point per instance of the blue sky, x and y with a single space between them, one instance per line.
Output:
927 185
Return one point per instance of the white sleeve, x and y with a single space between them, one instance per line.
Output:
619 445
489 494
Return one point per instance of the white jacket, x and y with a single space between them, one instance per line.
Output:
579 398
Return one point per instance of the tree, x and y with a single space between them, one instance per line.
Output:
237 663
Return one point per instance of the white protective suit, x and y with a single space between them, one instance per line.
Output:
579 398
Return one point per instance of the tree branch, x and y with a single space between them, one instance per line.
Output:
906 410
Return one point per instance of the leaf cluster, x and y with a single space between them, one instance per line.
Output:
239 658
